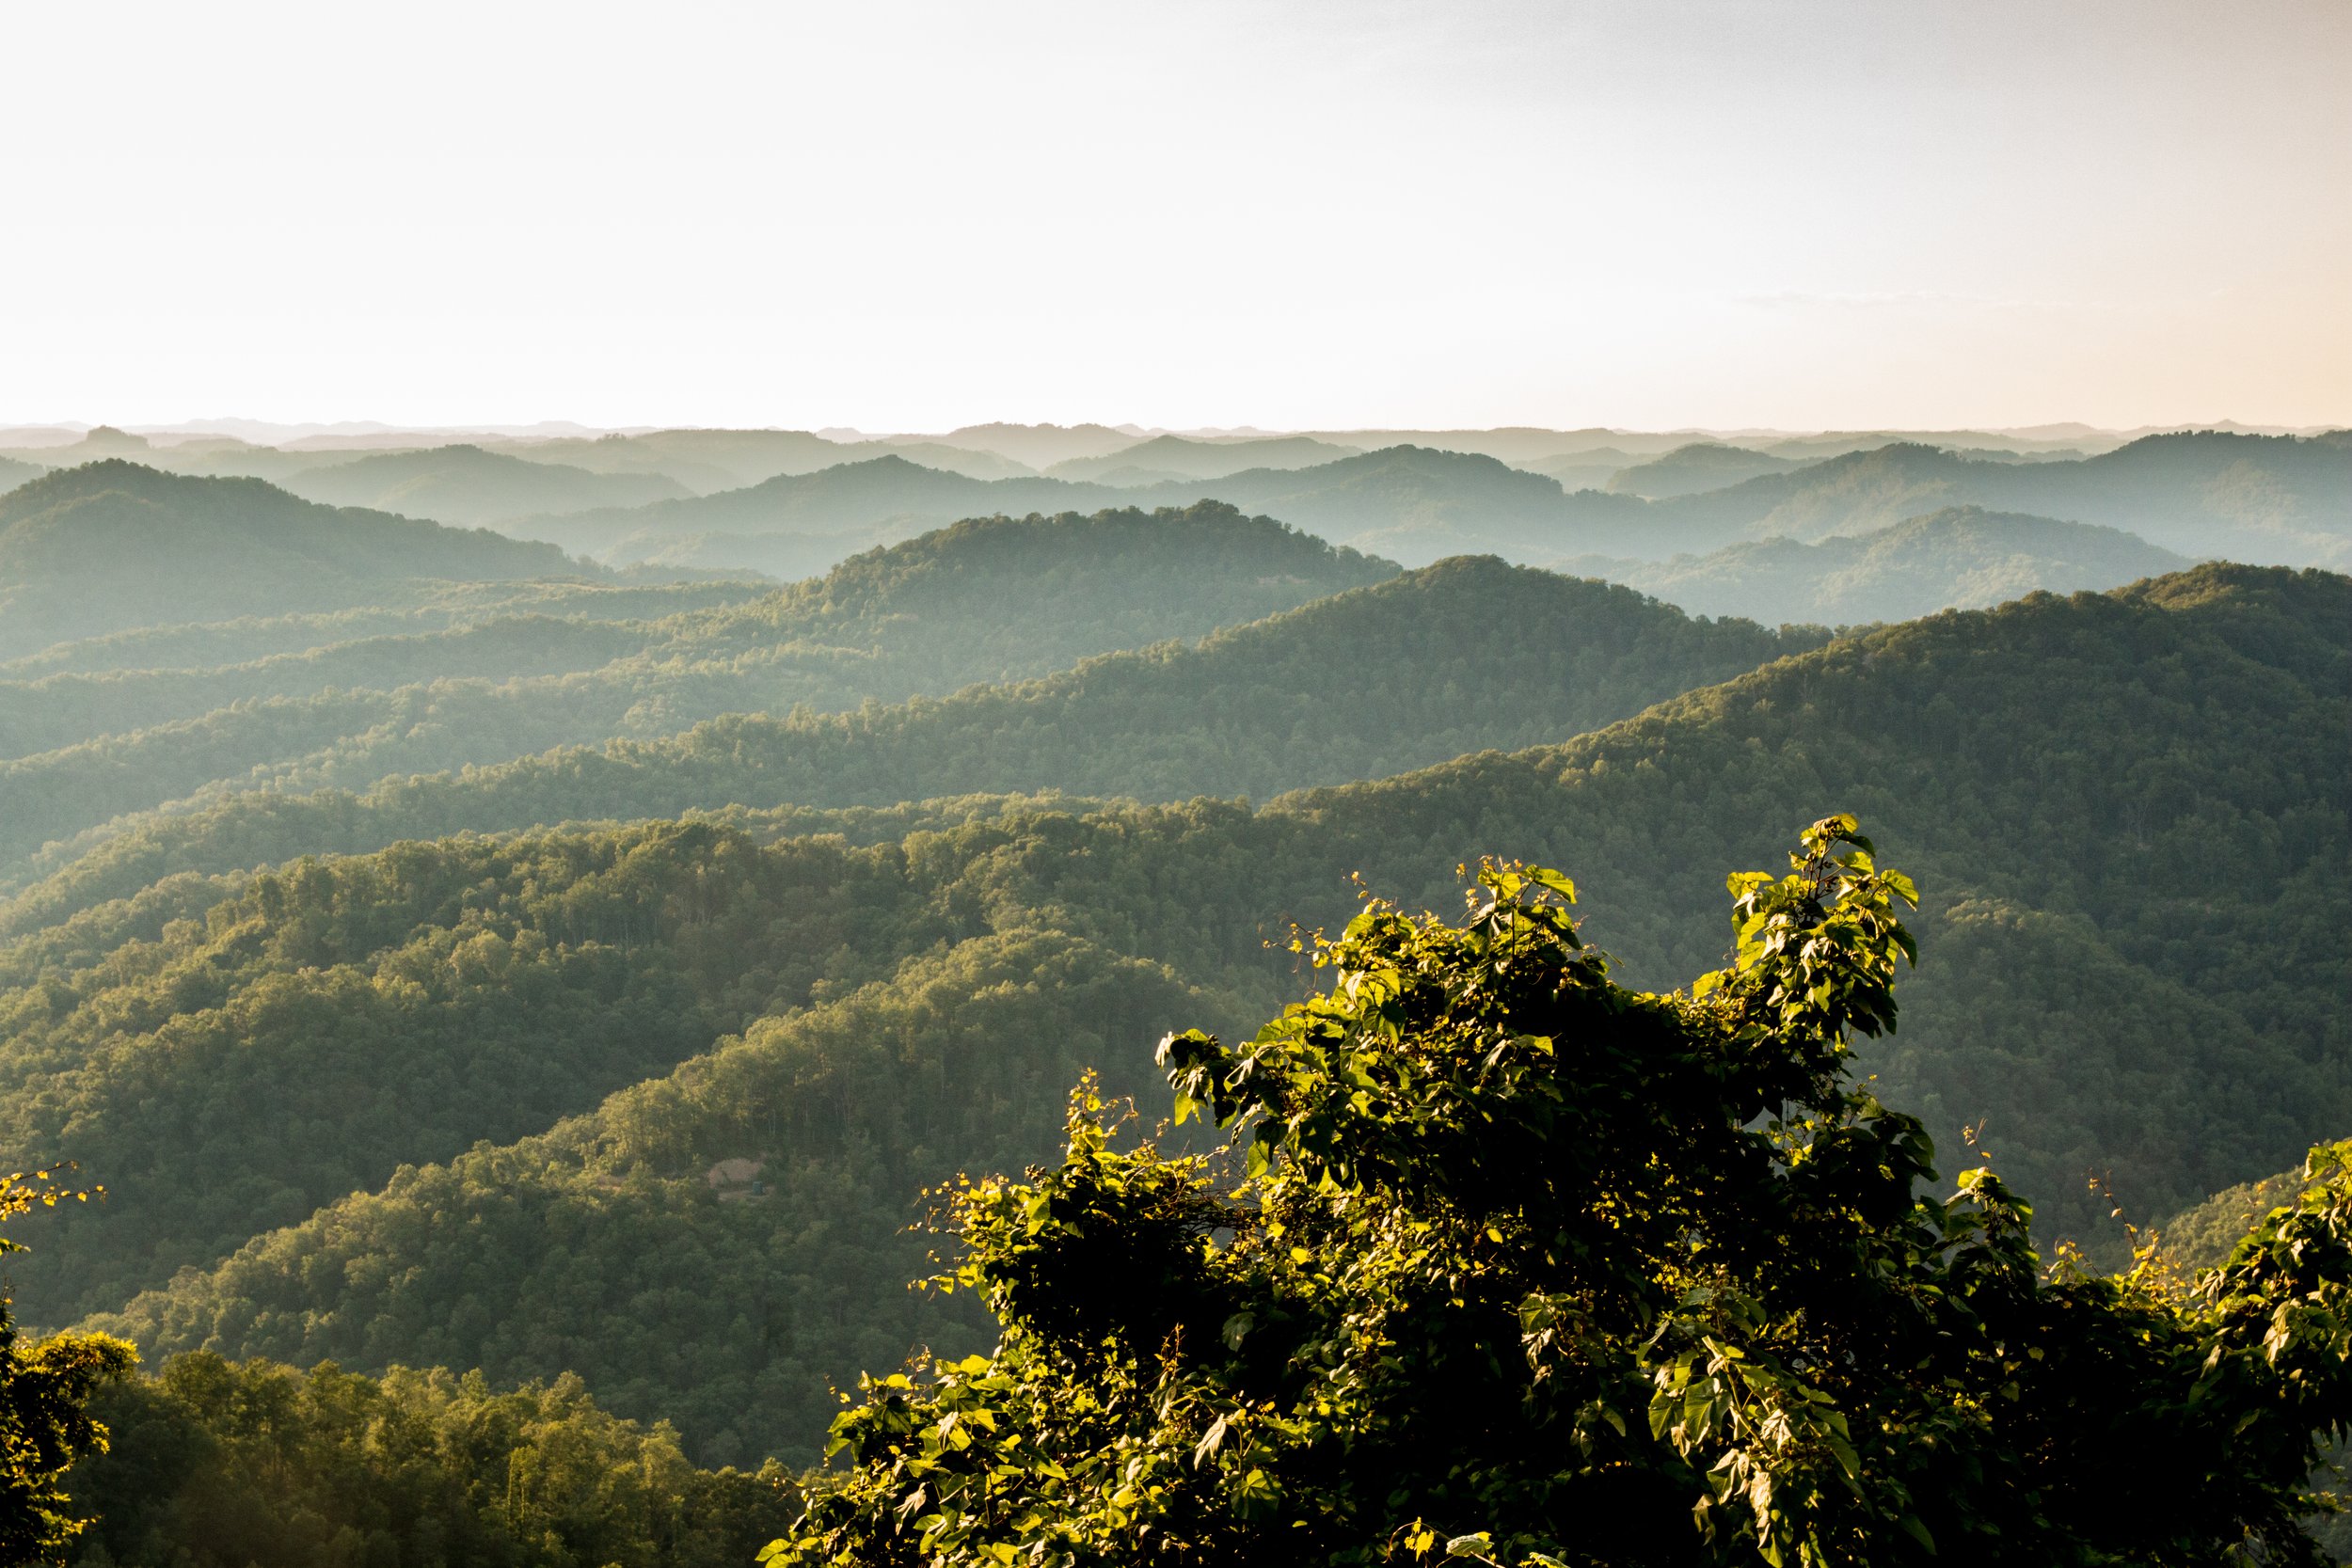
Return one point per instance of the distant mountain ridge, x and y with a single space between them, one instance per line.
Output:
1960 558
2263 498
113 545
1701 466
2266 498
467 485
1180 458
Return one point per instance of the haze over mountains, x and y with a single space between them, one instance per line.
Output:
549 902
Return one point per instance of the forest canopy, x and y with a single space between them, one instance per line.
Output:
1505 1263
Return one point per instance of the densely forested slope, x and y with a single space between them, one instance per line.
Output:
1959 558
217 1465
2248 498
465 484
2128 812
1700 466
985 600
111 545
207 645
1465 655
2200 1236
397 1009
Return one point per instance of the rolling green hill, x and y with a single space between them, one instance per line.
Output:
986 600
1962 558
111 546
1700 466
465 484
443 606
2129 812
1465 656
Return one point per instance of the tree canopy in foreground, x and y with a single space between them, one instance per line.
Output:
1505 1263
45 1388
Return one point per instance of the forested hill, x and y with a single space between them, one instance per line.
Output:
1961 557
112 545
1468 654
1700 466
465 484
990 599
2128 813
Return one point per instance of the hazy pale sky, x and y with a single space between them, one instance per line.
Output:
912 216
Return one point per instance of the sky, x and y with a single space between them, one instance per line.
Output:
906 217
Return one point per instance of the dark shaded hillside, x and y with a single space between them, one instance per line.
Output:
465 484
985 600
112 545
2128 812
1960 558
1465 656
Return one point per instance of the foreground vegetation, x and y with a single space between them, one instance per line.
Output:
1527 1268
214 1463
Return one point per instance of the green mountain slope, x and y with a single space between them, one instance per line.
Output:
1700 466
465 484
985 600
1465 656
2129 811
444 607
111 545
1959 558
